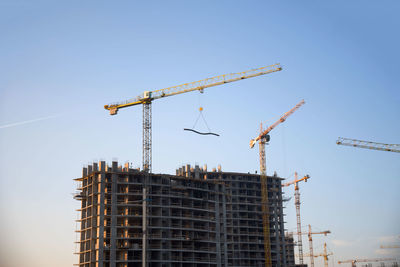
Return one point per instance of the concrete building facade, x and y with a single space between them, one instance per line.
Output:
290 259
194 218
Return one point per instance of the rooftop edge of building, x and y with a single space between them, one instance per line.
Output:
186 170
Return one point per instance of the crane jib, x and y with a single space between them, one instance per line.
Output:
193 86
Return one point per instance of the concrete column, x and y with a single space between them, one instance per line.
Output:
113 214
224 225
93 219
101 186
217 227
84 172
277 231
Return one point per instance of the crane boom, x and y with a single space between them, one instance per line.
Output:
354 261
282 119
368 144
314 233
193 86
305 178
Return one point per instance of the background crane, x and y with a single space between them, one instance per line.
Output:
262 139
390 246
310 234
325 254
368 144
295 182
149 96
353 262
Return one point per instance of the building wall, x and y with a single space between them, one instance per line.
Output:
195 218
290 250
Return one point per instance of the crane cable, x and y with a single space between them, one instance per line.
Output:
205 122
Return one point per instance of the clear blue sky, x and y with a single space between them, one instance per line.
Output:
61 61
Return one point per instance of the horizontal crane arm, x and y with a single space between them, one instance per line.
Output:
149 96
366 260
368 144
317 255
305 178
315 233
282 119
390 246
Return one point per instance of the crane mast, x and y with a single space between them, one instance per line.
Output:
368 144
264 202
297 204
263 139
298 220
311 246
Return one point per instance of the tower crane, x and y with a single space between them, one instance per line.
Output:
146 100
148 97
295 182
325 254
368 144
262 139
353 262
311 241
310 234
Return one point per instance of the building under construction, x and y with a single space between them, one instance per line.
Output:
194 218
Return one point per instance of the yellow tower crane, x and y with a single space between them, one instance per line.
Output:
262 139
325 254
368 144
310 234
295 182
149 96
353 262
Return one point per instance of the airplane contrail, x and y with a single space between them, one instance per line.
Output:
28 121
